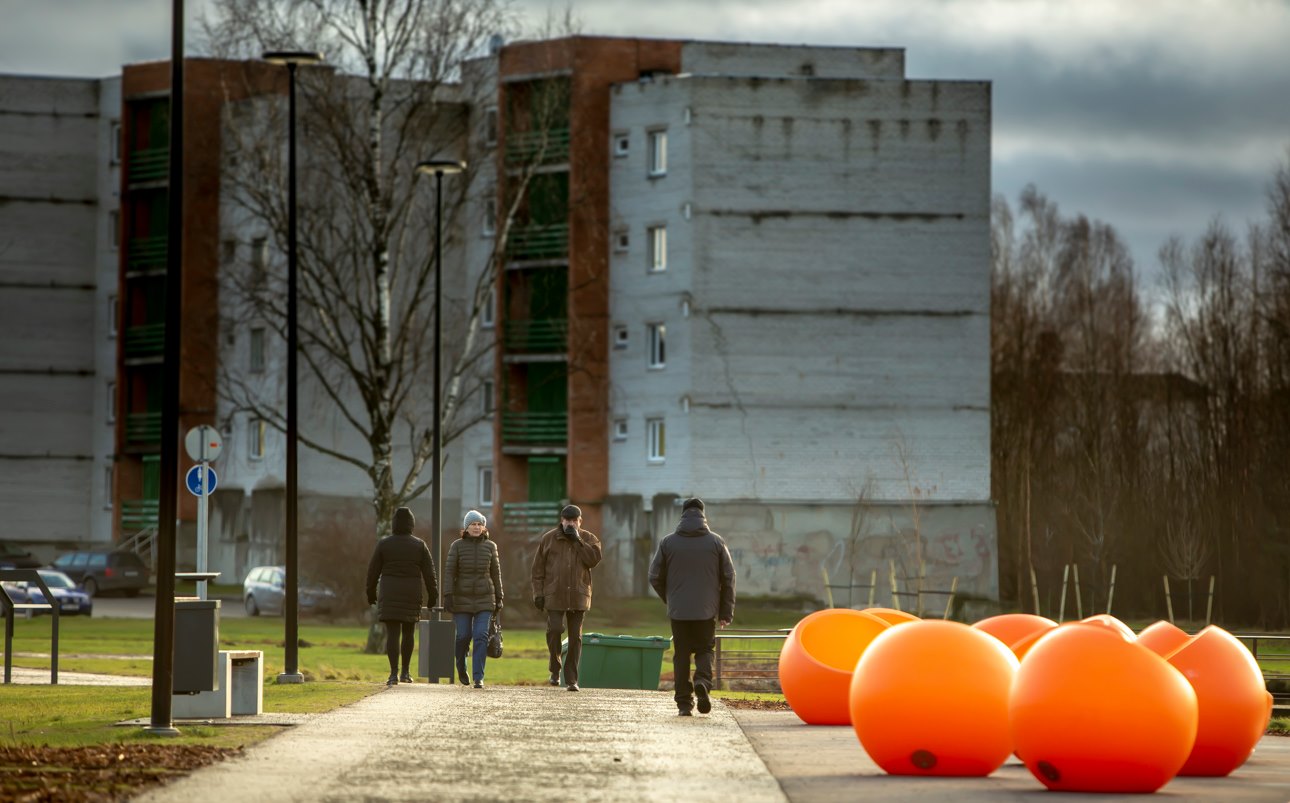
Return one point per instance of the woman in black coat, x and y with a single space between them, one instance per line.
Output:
402 564
472 590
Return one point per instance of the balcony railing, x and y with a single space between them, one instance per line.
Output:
149 164
146 340
530 517
532 427
143 427
539 242
539 336
549 146
137 514
146 252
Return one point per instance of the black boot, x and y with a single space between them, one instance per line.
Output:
393 681
462 649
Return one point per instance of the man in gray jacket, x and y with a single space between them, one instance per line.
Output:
693 573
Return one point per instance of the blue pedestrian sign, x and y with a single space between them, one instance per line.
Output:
193 480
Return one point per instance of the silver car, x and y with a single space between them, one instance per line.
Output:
264 590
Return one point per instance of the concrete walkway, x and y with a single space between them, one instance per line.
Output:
441 742
40 677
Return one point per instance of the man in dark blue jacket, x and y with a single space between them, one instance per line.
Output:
693 573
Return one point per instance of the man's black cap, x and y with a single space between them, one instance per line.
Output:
694 502
571 512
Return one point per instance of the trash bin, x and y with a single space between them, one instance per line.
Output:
619 662
196 645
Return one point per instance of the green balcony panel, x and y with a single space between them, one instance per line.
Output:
146 252
539 242
532 427
538 336
143 427
146 340
149 164
136 514
549 146
530 517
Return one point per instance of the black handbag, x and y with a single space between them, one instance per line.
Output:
494 637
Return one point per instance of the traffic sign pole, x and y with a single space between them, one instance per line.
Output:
203 444
202 510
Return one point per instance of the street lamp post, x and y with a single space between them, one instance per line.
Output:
438 168
291 604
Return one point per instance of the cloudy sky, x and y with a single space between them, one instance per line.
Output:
1153 115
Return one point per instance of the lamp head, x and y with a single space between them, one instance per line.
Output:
441 167
292 57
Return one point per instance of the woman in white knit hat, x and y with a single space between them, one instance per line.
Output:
472 591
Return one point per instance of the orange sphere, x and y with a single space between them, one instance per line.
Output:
1013 627
1092 712
931 698
891 616
1163 638
817 659
1267 718
1232 699
1109 621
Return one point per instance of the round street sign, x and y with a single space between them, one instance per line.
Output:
193 478
203 443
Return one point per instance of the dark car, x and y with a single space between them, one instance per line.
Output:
265 588
102 570
71 600
13 556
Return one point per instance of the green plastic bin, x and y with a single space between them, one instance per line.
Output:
620 662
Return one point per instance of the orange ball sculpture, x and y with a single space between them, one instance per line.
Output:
1163 637
817 659
1092 712
891 616
931 698
1232 699
1109 621
1013 627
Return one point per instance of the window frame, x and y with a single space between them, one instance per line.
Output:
488 313
486 391
656 340
656 242
254 349
656 440
110 400
622 144
114 313
656 153
621 429
486 489
257 431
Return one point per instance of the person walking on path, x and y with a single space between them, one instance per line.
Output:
692 572
472 591
401 564
562 587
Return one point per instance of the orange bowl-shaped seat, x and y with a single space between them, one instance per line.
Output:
1092 712
891 616
1267 718
931 698
1232 700
817 659
1163 638
1013 627
1109 621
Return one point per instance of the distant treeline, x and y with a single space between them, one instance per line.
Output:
1149 431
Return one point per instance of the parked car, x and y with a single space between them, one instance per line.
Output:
71 600
13 556
101 570
264 589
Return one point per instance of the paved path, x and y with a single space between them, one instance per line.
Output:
822 764
40 677
441 742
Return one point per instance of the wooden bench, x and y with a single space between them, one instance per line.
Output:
240 689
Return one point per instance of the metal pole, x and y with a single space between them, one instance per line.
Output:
1079 601
1110 596
291 673
163 641
436 489
1061 610
202 511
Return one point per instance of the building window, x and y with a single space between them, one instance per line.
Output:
658 153
621 240
114 228
258 430
656 440
486 394
490 126
657 346
620 429
257 350
657 249
228 251
490 213
488 314
110 402
485 486
259 260
112 316
622 143
107 485
114 142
